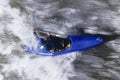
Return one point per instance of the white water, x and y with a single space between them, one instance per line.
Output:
94 16
21 65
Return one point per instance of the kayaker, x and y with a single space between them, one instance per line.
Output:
49 42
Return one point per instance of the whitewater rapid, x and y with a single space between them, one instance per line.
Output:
68 17
18 65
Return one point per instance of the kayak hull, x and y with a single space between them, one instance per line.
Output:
77 43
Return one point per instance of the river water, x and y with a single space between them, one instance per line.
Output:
68 17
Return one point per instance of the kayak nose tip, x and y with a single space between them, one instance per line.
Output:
99 39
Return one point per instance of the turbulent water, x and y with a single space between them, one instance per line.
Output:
68 17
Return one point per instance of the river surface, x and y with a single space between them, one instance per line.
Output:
67 17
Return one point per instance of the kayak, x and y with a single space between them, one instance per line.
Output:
74 43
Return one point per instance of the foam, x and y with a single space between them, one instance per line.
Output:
1 77
43 68
16 23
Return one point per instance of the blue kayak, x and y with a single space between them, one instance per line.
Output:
74 43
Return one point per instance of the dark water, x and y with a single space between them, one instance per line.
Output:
68 17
